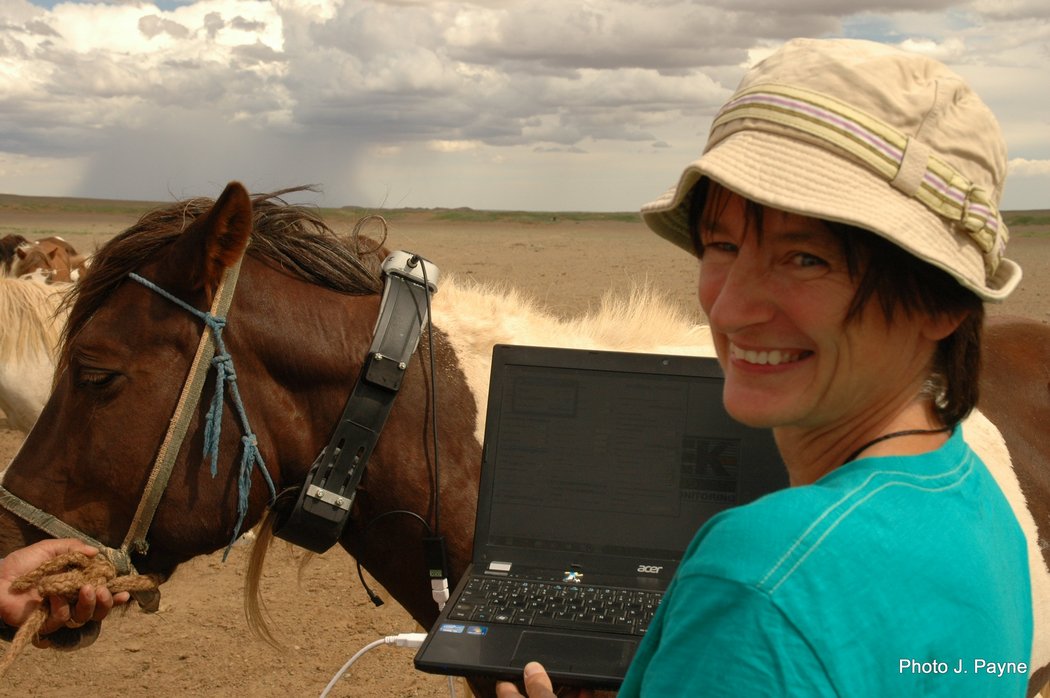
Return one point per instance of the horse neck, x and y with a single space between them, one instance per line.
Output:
305 371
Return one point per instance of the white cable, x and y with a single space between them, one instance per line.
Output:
402 640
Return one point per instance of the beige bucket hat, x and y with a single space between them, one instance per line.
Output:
865 134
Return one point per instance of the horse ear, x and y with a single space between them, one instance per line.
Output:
224 231
21 252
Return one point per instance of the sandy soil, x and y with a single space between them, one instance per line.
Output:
199 644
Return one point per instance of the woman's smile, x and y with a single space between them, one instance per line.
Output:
766 357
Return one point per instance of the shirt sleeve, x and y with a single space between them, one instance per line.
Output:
718 637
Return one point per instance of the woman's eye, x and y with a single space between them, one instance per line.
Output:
804 259
718 247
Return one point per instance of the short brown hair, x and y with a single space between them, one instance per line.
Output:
898 281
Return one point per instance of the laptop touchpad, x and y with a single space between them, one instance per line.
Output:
568 652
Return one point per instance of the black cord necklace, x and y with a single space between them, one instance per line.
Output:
893 435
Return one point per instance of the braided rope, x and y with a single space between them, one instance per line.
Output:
63 577
225 383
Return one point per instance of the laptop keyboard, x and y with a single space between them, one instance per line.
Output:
543 604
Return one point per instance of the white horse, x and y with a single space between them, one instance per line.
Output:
31 322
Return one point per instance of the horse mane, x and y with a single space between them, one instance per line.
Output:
294 238
29 314
639 318
474 316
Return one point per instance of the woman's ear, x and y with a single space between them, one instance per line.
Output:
940 325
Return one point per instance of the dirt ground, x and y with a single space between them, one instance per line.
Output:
199 643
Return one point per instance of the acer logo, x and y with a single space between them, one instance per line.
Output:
650 569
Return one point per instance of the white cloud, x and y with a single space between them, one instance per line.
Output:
1013 9
452 146
1020 167
945 51
596 99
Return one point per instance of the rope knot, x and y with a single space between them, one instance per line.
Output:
215 322
225 376
65 575
62 577
223 364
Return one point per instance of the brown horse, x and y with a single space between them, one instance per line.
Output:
8 245
299 327
1015 386
53 257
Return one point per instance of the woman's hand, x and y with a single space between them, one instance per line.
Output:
92 603
538 685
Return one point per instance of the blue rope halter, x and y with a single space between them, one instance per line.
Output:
224 375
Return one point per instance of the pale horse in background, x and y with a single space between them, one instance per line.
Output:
31 322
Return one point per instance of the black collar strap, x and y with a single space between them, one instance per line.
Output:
319 516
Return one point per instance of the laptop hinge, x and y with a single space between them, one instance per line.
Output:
318 518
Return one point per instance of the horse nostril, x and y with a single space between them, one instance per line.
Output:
148 601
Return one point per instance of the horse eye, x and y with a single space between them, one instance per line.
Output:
94 378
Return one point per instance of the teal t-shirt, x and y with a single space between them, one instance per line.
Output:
892 576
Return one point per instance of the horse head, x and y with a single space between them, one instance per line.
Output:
48 257
9 245
288 350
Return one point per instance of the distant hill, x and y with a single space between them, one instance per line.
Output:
1030 223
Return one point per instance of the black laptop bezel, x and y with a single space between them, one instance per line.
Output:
505 356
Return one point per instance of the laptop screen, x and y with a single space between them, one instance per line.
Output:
611 454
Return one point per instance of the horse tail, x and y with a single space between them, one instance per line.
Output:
254 606
258 617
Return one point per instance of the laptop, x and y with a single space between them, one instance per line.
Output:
597 470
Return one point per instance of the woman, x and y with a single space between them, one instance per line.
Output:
845 214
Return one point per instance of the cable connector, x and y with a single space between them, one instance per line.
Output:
411 640
439 591
436 559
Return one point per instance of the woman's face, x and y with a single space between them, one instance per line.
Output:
777 302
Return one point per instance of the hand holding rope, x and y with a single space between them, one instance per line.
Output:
62 577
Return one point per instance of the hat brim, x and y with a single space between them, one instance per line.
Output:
800 177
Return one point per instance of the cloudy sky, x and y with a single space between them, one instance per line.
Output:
496 104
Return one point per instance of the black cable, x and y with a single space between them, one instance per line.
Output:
433 405
435 553
372 596
433 533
